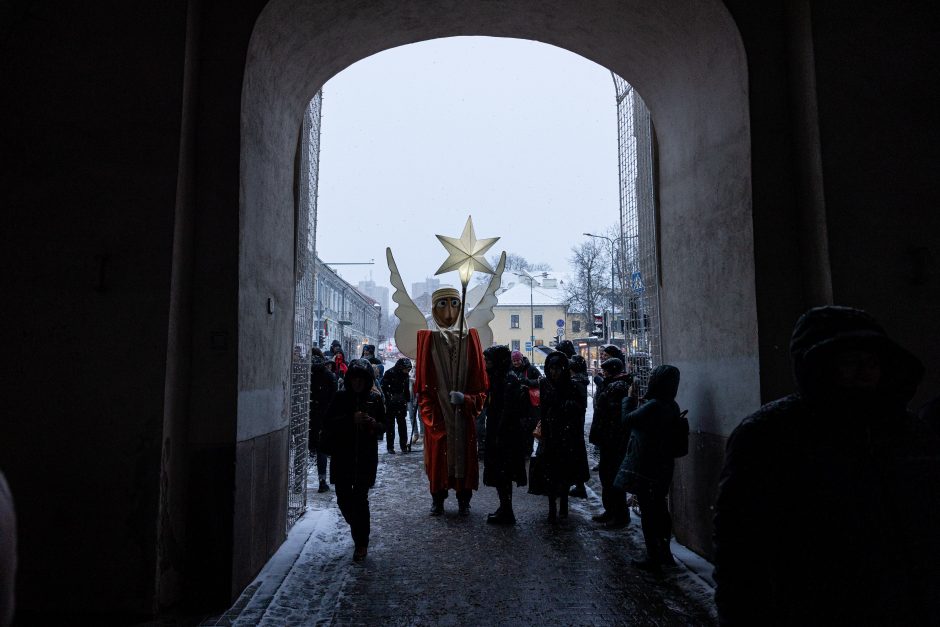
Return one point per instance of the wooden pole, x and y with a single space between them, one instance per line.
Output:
463 308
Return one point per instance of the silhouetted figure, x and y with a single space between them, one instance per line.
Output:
322 391
828 507
648 465
354 418
561 459
504 454
579 377
610 437
396 387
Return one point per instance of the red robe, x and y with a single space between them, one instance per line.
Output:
435 436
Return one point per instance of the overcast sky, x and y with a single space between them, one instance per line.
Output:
518 134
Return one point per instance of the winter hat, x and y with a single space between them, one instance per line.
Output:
614 351
517 355
612 366
664 383
361 368
822 331
557 358
578 364
566 347
499 357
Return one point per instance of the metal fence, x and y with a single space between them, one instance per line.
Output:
304 302
637 253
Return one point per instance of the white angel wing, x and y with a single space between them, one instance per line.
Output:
410 318
481 315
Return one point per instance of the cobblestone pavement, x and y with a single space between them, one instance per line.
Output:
456 570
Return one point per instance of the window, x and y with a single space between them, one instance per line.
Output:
575 326
540 342
538 321
515 343
514 324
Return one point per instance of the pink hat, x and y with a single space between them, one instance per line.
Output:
517 355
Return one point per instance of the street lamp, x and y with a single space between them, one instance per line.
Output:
531 279
611 242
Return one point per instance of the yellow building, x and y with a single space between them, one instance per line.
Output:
523 312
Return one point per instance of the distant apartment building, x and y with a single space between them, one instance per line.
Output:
344 313
523 313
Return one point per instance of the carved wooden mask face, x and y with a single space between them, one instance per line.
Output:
446 311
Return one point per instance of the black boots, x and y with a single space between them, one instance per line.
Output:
563 506
437 506
504 514
552 510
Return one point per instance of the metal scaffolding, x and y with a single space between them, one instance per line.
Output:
304 301
637 255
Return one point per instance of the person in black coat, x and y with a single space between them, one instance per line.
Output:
352 422
648 465
579 377
504 453
610 437
528 376
322 390
860 546
561 459
396 389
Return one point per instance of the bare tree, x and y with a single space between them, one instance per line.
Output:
514 263
590 274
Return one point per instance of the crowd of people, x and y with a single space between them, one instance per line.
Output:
354 404
861 549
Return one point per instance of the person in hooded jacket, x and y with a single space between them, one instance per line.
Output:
396 387
561 459
579 377
610 436
566 347
648 465
354 418
322 391
863 547
504 453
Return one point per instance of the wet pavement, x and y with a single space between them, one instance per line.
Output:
454 570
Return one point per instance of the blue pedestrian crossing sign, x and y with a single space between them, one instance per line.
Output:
528 346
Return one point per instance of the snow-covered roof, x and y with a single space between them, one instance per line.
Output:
518 295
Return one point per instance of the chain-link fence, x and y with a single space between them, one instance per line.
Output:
637 251
304 303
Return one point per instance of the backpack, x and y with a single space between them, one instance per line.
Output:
679 435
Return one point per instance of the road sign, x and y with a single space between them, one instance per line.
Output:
528 346
560 324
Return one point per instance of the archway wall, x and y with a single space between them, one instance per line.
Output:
686 60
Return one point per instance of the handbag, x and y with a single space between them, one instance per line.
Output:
534 397
537 432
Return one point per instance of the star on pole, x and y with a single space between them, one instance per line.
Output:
466 253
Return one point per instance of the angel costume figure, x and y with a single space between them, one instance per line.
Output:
450 379
449 415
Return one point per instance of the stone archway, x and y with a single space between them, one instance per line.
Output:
688 62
